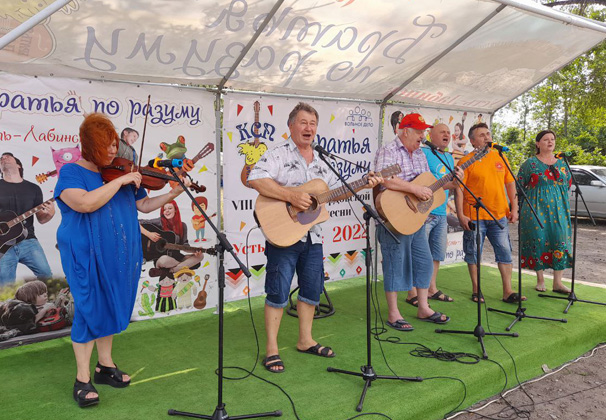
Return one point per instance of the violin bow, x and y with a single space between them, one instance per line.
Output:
144 129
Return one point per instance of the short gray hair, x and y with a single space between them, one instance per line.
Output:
302 106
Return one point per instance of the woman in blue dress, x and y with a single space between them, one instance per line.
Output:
546 181
100 244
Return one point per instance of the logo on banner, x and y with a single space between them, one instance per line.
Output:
359 117
252 150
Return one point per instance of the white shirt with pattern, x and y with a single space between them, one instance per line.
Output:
285 165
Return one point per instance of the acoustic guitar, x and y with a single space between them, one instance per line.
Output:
200 302
252 150
42 178
405 212
11 226
284 224
166 245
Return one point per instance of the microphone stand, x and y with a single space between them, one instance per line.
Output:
572 298
367 373
478 331
520 313
223 245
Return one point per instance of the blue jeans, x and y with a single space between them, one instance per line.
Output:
27 252
406 264
436 228
499 239
304 258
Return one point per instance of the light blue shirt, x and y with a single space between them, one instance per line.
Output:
438 170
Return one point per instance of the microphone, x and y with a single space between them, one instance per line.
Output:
561 155
321 150
496 146
165 163
430 144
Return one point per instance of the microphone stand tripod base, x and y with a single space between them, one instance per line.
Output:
221 414
369 375
520 314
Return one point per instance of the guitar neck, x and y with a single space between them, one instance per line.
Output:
206 150
447 178
187 248
28 213
338 193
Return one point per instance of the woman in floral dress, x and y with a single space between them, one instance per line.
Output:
546 181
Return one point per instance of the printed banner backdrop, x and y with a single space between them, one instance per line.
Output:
253 124
39 124
459 123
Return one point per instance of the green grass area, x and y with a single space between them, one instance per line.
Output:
172 360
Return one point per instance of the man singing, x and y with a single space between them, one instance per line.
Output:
488 178
291 164
409 263
436 226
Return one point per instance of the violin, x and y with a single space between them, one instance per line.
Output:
152 178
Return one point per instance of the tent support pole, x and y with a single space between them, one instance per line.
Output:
31 22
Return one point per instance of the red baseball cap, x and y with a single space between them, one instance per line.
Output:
415 121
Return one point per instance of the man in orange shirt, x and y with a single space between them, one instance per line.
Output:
489 179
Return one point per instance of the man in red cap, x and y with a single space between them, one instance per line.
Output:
407 264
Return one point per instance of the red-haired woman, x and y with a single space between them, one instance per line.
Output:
100 244
170 221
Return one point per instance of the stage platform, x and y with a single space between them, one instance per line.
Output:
173 360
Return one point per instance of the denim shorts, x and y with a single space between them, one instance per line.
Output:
436 228
499 239
28 252
407 264
304 258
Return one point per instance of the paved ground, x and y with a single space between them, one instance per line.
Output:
578 391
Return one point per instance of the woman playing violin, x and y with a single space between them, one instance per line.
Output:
100 244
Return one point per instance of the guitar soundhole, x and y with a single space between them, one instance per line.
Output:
411 205
314 205
4 228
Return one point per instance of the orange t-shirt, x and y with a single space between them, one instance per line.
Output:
486 178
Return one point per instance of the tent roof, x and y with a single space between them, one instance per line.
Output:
464 54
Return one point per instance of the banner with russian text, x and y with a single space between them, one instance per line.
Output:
254 124
39 125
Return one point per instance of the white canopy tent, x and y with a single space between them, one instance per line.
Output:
457 54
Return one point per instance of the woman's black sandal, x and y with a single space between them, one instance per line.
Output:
110 376
81 390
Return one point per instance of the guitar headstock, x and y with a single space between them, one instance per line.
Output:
206 150
41 178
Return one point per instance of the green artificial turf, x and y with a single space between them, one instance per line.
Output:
172 360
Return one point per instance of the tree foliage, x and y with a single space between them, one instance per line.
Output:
572 102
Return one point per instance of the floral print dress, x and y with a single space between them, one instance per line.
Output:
547 189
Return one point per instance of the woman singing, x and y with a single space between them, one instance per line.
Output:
546 182
100 244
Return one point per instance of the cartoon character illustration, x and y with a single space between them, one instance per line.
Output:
198 221
252 150
185 289
147 305
175 150
60 158
165 301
